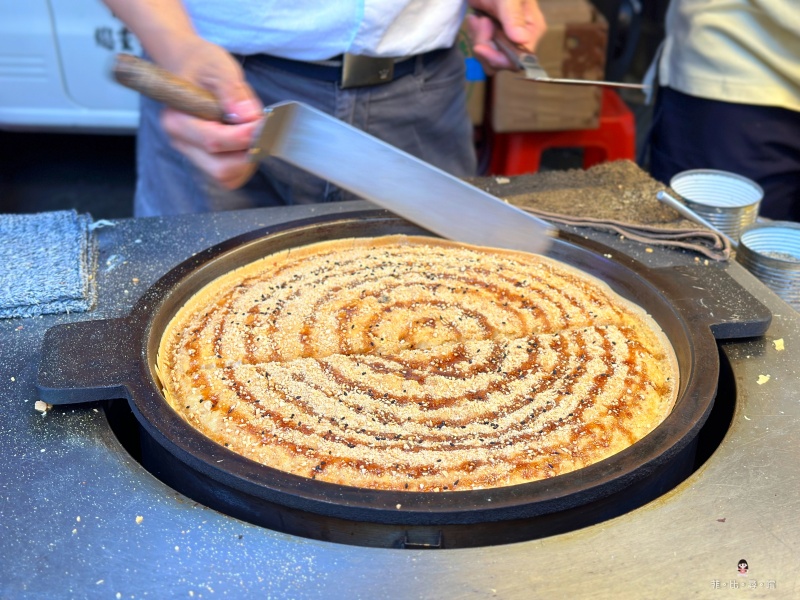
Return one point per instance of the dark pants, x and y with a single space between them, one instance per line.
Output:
423 113
759 142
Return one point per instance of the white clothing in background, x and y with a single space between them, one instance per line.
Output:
741 51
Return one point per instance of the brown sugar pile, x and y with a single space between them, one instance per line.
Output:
618 191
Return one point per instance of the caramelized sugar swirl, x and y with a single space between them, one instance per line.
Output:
416 364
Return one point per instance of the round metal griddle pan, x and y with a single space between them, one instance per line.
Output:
111 359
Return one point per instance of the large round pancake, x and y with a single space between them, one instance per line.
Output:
416 363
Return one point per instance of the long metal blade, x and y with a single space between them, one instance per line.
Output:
393 179
611 84
534 71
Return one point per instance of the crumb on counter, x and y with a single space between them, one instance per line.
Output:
762 379
778 344
42 406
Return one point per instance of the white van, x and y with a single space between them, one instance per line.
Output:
55 60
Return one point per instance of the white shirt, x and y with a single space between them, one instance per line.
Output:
743 51
321 29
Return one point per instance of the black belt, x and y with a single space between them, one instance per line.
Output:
352 70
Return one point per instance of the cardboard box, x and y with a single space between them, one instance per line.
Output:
476 100
573 47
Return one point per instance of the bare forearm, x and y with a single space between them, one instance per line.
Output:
162 26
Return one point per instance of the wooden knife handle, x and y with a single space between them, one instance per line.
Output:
159 84
512 50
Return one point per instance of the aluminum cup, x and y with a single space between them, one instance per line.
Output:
726 200
771 252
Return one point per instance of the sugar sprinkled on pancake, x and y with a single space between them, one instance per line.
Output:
413 363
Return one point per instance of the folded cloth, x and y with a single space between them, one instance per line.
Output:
697 239
47 264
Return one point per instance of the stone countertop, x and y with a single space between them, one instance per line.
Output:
80 518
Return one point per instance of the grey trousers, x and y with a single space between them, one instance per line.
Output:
423 113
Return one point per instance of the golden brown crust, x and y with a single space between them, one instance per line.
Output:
416 363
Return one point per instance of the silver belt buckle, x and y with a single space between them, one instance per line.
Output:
359 71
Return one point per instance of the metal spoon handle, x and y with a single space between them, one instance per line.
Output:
691 215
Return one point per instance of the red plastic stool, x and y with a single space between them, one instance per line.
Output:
614 139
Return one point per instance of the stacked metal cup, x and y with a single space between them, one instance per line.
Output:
728 201
771 252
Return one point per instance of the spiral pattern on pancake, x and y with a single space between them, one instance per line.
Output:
416 364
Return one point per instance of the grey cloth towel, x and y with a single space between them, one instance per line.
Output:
47 264
699 239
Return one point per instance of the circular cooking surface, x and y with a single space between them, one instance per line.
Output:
192 463
469 506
